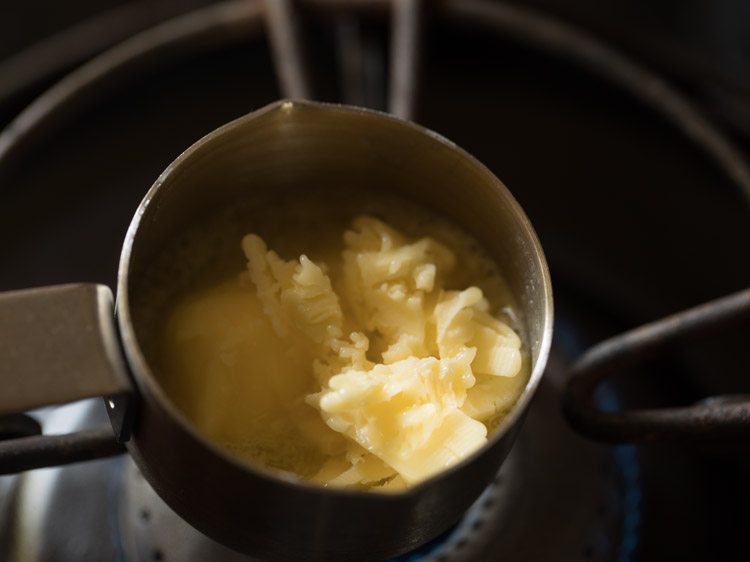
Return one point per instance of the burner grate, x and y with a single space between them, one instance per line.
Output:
721 421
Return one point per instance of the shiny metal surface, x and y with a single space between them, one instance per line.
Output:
283 25
406 49
274 151
54 512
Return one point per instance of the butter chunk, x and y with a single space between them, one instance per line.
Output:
355 467
407 413
299 300
388 282
405 370
297 297
462 321
491 396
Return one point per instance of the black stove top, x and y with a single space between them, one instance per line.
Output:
636 219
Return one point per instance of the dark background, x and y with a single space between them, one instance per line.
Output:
705 46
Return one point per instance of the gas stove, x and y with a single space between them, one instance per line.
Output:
637 198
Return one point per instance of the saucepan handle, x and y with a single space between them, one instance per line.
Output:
59 344
719 421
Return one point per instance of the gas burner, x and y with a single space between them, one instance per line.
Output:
105 510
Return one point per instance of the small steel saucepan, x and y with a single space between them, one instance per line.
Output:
64 343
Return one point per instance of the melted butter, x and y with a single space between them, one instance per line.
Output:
253 387
237 381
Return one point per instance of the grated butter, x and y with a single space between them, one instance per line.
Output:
375 365
403 407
